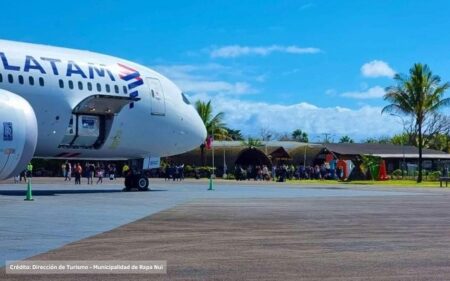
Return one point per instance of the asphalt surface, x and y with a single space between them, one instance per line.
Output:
237 232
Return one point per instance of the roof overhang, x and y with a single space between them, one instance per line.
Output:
414 156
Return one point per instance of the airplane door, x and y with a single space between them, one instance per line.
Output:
158 104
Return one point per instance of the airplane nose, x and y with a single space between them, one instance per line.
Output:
200 129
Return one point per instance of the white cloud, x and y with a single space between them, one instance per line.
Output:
331 92
371 93
233 51
251 117
377 68
198 79
214 86
306 6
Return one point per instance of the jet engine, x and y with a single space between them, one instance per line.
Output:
18 129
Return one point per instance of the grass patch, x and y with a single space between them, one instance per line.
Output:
399 183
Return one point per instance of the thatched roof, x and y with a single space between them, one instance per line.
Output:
281 154
252 156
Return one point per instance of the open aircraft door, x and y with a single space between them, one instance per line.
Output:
158 103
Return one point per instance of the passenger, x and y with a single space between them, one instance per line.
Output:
176 172
265 173
78 172
282 174
274 172
167 173
100 172
68 172
249 172
317 172
91 173
259 175
181 172
112 172
23 175
237 172
63 170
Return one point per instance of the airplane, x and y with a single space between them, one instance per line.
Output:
61 103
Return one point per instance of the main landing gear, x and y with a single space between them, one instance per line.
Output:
136 181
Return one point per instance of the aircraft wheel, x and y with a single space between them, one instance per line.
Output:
142 183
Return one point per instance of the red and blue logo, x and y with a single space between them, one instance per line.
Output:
133 78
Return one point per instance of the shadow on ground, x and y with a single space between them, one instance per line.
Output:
61 192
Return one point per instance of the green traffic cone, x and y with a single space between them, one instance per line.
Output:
210 183
29 196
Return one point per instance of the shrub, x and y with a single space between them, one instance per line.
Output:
230 177
434 175
188 169
397 173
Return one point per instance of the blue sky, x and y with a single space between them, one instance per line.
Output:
269 65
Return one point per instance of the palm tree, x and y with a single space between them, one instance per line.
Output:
214 124
299 135
346 139
417 95
252 142
234 135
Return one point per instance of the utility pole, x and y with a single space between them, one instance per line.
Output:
326 137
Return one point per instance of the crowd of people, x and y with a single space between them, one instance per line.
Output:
174 172
88 171
283 172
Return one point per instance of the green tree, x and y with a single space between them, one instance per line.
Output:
299 135
380 140
439 142
214 124
418 94
370 140
401 139
252 142
345 139
235 135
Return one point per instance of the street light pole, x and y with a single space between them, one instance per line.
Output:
304 157
212 174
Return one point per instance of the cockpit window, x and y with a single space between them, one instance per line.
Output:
185 98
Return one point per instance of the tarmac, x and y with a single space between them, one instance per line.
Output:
239 231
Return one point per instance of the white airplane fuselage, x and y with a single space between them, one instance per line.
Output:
94 106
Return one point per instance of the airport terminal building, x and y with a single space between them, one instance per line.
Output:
227 154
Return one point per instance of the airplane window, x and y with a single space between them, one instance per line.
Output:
10 78
89 86
1 78
41 81
70 84
116 89
61 83
125 90
80 85
31 80
107 88
99 87
20 79
185 98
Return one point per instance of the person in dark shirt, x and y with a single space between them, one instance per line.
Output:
91 173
